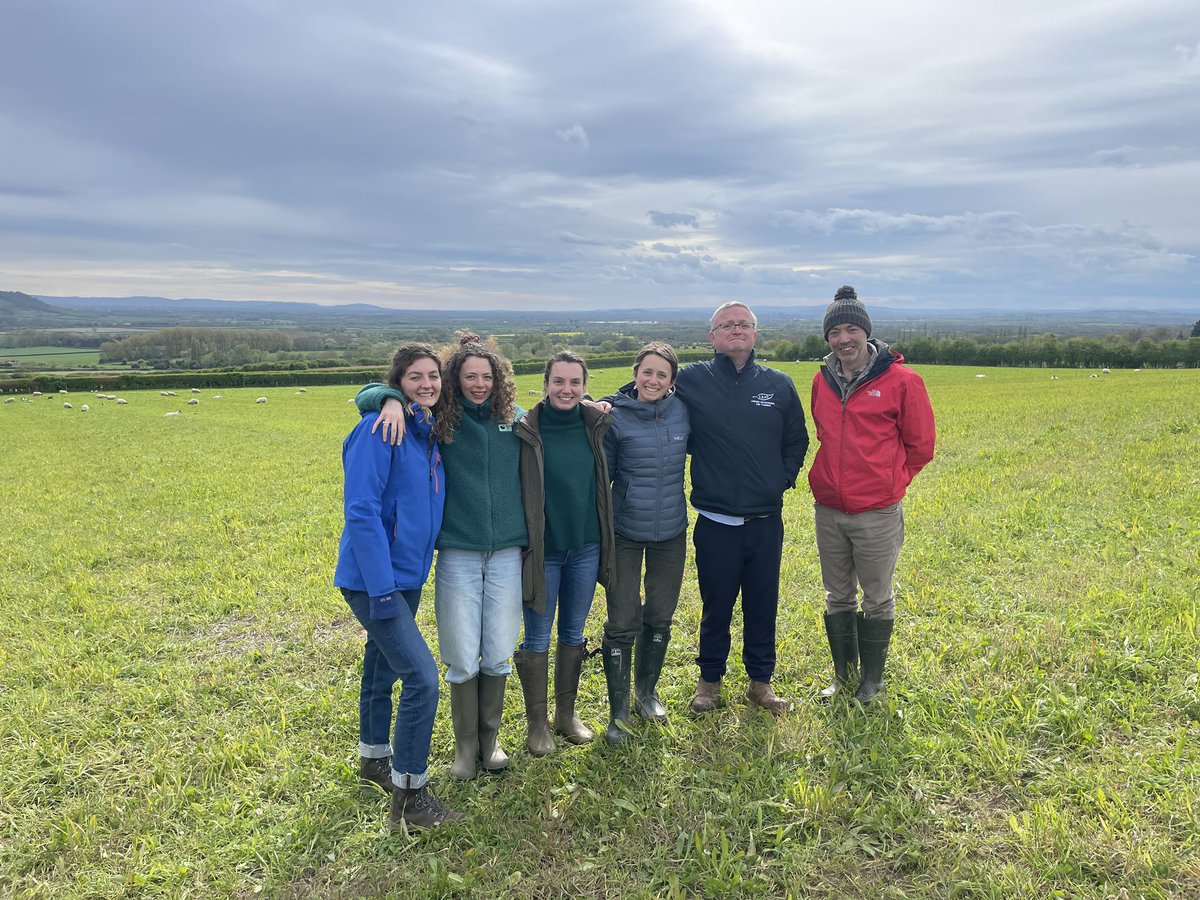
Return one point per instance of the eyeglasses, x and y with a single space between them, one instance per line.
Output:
727 326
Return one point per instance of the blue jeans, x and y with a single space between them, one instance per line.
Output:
477 598
396 651
571 586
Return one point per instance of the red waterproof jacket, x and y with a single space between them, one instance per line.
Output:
875 441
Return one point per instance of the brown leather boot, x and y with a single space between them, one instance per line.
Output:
707 693
568 663
760 694
533 673
375 772
419 808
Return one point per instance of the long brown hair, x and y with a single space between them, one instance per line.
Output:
504 388
405 357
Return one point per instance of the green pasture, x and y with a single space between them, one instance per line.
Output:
179 690
52 356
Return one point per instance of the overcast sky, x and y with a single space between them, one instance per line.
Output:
553 154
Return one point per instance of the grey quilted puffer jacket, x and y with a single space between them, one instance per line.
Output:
647 453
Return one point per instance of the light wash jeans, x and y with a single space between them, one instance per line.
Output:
477 598
396 651
571 586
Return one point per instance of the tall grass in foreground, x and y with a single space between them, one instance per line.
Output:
179 687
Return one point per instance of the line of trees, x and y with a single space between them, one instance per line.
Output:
196 347
1113 351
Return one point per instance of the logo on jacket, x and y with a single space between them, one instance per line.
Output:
763 399
874 393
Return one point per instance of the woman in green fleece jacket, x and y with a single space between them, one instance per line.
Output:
477 586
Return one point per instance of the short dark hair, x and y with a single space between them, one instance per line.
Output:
658 348
564 356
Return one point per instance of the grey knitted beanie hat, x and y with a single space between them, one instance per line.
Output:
846 309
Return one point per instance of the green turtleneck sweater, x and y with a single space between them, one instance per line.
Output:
570 471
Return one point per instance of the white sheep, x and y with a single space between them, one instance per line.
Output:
1106 371
10 399
195 390
981 376
67 406
62 391
1093 375
85 408
121 402
302 391
217 397
170 414
261 400
37 393
535 393
193 402
1054 378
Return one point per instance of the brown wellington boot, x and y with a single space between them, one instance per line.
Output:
568 663
533 673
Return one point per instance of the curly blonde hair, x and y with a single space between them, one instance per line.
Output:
504 390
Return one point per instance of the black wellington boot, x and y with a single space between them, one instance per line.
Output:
874 636
842 630
651 651
617 662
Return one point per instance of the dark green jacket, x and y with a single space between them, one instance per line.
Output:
533 563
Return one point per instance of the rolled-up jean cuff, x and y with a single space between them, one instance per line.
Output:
410 782
374 751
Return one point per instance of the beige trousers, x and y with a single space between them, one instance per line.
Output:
860 550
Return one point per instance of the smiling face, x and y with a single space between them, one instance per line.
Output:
652 378
849 342
565 385
476 381
734 333
422 382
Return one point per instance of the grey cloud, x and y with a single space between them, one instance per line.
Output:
672 220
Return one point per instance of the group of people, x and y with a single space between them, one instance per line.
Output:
530 510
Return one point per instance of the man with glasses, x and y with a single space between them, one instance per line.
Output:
748 443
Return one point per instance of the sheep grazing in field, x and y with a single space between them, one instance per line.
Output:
261 400
981 376
121 402
1106 371
193 402
1093 375
216 396
535 393
195 390
67 406
10 399
85 408
61 391
302 391
170 414
1054 378
37 393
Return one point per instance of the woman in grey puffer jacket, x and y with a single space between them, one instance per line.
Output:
647 453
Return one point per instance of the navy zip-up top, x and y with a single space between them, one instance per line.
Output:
748 437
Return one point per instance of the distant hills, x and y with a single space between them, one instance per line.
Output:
22 311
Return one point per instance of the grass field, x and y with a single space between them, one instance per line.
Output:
52 356
179 690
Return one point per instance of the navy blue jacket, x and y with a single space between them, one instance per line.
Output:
748 436
647 455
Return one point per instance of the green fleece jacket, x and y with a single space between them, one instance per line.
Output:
484 507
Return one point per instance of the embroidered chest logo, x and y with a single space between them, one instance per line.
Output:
763 400
503 427
873 393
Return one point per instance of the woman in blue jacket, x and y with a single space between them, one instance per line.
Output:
394 498
647 453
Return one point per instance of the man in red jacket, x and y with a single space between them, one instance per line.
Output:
876 430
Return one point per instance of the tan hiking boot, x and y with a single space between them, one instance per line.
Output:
707 693
760 694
